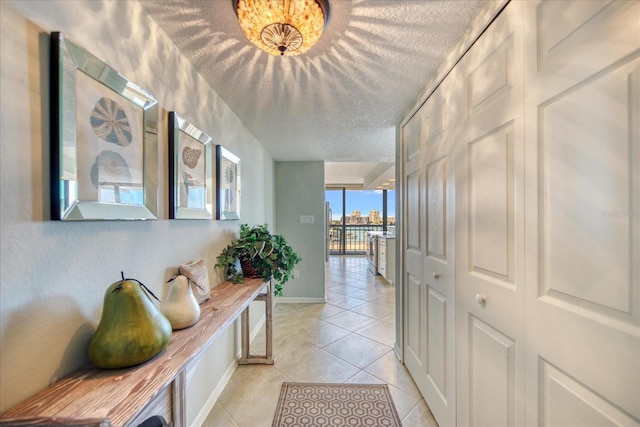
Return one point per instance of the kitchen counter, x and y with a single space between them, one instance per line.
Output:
382 234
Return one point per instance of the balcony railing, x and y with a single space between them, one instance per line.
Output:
350 239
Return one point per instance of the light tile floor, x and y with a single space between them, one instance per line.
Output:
348 339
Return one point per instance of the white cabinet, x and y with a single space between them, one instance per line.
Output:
386 258
382 256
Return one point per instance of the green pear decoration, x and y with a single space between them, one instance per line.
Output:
131 330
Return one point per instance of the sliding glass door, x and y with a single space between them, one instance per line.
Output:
353 213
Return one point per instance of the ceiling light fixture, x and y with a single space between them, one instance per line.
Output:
282 27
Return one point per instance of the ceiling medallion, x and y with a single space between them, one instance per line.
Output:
282 27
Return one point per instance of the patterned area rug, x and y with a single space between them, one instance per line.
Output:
335 405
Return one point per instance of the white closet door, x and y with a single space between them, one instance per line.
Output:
413 239
430 284
490 229
439 256
583 213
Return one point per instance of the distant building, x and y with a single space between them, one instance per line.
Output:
374 217
356 218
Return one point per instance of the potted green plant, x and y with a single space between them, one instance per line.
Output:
261 254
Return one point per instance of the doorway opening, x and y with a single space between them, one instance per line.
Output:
353 213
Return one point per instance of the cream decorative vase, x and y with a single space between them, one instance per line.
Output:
180 305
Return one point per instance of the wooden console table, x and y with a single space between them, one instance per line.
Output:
125 397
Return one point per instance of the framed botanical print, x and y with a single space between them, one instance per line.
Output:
227 184
190 170
104 159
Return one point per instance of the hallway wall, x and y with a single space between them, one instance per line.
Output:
54 274
300 192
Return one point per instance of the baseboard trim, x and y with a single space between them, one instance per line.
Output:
398 352
228 373
213 398
296 300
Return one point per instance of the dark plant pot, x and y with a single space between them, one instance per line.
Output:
248 269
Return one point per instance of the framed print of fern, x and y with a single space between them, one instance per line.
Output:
227 185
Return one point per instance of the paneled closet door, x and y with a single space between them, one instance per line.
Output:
490 229
413 238
583 213
430 289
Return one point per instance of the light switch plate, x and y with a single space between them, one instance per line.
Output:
307 219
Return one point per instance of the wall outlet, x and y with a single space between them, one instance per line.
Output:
296 274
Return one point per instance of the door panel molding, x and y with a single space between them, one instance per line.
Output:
491 78
587 237
491 202
566 401
492 375
414 202
436 185
415 333
437 345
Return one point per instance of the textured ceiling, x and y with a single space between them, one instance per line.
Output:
367 175
341 101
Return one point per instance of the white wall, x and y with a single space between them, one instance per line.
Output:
53 274
300 191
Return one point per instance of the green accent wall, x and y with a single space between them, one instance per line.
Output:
299 188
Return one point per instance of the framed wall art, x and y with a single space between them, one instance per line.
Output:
104 157
227 185
190 170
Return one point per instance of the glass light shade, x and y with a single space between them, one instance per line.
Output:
283 27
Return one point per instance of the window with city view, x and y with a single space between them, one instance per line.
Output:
353 213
